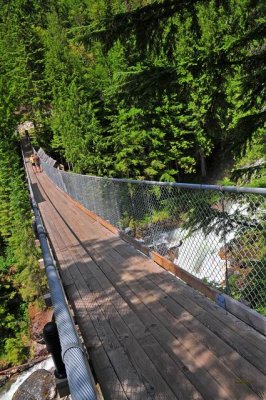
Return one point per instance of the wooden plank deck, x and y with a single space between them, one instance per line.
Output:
149 336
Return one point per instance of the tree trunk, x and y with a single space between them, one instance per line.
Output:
203 165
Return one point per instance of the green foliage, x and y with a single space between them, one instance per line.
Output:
250 169
145 89
20 276
13 316
17 348
20 279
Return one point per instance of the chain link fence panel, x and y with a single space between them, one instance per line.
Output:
218 234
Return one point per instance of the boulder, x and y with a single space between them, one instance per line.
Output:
3 380
40 385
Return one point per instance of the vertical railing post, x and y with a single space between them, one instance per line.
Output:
114 186
93 187
150 210
51 337
227 284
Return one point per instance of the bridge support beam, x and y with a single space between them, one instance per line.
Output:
51 337
48 299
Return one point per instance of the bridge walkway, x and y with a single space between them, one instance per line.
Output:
148 335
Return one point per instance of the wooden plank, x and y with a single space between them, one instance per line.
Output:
112 312
128 376
89 334
251 317
237 342
134 276
85 210
197 302
117 279
111 387
63 262
107 225
182 388
185 276
157 356
217 369
152 380
60 249
110 384
115 346
159 276
199 377
135 243
246 372
171 372
94 216
248 333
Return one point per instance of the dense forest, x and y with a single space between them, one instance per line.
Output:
163 90
155 90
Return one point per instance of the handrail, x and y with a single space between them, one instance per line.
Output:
181 185
79 376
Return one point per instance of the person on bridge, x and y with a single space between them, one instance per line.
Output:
27 136
35 162
32 161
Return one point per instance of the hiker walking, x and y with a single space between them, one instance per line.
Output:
37 163
32 161
27 135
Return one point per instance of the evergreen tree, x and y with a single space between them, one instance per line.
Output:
18 265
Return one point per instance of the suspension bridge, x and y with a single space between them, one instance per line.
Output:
147 333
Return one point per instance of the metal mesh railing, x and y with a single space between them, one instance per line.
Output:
49 160
218 234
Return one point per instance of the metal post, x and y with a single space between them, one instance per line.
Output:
51 337
227 284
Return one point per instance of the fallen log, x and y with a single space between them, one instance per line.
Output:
23 367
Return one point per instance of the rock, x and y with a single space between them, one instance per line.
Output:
3 380
128 230
37 321
40 385
39 349
23 367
